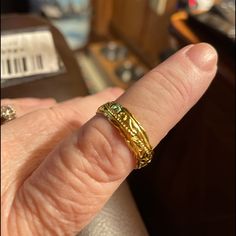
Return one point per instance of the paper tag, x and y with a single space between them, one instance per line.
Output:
27 54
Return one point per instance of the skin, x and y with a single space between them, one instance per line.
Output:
60 163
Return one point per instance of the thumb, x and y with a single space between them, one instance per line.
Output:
75 181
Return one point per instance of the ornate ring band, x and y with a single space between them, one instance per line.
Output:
7 113
133 133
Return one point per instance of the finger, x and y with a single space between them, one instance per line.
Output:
29 102
28 139
88 166
83 109
171 89
23 106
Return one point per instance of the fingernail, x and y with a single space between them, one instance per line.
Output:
203 55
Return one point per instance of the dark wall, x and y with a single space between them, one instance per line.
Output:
13 6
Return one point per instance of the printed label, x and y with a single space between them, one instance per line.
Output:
27 54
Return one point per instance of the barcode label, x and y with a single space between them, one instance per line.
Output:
27 54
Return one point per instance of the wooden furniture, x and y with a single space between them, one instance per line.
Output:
131 24
109 68
136 24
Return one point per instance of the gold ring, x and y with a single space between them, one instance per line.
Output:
7 113
133 133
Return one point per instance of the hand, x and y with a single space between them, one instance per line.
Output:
26 105
61 164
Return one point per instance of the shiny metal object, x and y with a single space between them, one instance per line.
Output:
134 134
7 113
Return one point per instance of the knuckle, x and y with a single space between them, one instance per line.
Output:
179 89
69 119
105 150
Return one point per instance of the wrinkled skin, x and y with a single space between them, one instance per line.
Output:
60 163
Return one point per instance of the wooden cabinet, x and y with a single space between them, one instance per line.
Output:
134 22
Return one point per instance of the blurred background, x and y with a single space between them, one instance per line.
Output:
68 48
126 38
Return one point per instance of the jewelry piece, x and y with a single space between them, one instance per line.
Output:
7 113
131 130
